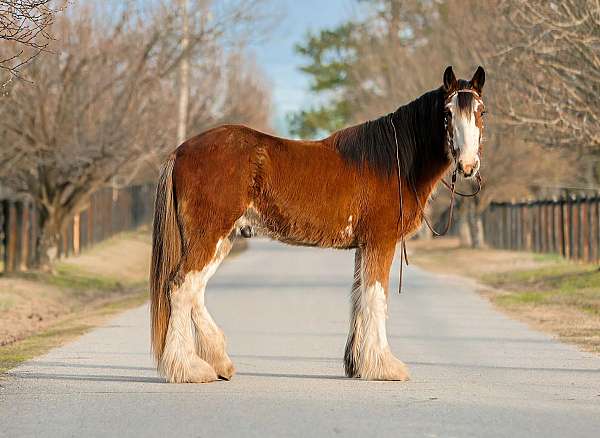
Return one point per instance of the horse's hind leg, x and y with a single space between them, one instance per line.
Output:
210 340
200 358
368 354
179 362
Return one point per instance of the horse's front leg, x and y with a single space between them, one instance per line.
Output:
368 354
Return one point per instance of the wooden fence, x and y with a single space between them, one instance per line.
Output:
569 227
109 211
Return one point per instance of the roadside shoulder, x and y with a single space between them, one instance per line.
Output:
549 294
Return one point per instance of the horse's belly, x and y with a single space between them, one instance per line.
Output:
300 229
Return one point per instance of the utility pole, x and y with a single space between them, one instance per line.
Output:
184 74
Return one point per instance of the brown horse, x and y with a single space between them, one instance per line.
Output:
339 192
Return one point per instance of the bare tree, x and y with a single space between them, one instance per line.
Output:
100 105
553 49
24 27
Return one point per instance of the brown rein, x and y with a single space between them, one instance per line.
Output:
450 186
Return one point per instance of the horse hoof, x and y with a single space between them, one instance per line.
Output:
225 369
389 368
394 369
201 372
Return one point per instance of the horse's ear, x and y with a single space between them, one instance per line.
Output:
478 79
450 82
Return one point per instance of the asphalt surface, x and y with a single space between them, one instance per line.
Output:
285 311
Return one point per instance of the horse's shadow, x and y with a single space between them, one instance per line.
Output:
135 379
293 376
142 379
87 377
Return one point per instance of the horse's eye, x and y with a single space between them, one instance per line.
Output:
483 113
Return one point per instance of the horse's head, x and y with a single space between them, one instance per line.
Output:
464 110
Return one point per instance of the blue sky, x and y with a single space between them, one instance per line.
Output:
276 54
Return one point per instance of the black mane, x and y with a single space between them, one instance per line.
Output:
420 131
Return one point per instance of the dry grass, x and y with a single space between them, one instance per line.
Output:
550 294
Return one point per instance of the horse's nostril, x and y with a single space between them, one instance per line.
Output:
467 169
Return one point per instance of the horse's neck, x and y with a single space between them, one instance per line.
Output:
431 172
426 128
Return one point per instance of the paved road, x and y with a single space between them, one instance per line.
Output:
285 311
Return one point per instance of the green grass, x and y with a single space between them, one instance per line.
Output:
73 277
558 284
521 298
75 281
548 258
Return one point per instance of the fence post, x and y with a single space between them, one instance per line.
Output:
561 221
548 228
505 244
580 227
500 226
570 225
542 228
590 230
526 227
584 250
597 239
554 223
491 226
509 225
491 236
519 236
514 210
536 227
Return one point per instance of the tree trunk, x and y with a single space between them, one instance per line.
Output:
461 216
464 234
48 240
476 223
476 230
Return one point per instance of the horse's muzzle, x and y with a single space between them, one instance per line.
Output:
468 170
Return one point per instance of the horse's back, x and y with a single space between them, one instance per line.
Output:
235 155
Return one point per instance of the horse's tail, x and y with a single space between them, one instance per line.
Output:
166 255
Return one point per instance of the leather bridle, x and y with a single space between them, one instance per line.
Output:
450 186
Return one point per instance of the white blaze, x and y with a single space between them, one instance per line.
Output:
466 134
